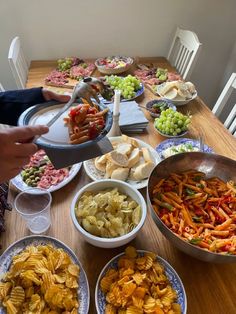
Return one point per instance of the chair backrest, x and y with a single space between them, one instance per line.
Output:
230 122
18 63
184 52
1 88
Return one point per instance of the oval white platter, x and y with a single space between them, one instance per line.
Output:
21 185
95 174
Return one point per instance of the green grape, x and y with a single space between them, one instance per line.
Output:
172 123
128 85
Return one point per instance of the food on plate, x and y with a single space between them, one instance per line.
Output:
177 90
181 148
172 122
159 107
138 284
127 161
200 210
66 63
128 85
69 68
41 279
154 76
78 72
114 62
107 213
57 78
85 123
41 173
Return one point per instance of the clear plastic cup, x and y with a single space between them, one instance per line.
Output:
34 206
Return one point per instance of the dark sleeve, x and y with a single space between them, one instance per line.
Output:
14 102
31 96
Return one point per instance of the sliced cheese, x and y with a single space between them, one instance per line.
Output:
171 94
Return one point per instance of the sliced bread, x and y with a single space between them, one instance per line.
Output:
119 159
120 174
143 171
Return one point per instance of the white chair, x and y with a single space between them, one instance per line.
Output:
1 88
184 52
230 122
18 63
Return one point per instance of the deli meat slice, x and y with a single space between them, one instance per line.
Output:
49 176
57 78
173 77
148 76
80 71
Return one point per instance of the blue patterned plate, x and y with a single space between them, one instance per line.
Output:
18 246
139 92
171 274
179 141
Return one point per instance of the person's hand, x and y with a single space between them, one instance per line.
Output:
50 95
17 148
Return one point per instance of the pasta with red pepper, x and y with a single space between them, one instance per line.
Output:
200 210
85 123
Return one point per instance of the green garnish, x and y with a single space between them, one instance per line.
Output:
168 206
199 185
195 241
189 146
190 192
197 219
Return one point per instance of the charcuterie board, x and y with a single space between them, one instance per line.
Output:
69 72
152 76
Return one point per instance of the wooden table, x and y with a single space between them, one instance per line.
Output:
210 288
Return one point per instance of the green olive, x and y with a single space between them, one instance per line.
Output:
28 181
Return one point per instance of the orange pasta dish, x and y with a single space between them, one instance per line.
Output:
85 123
199 210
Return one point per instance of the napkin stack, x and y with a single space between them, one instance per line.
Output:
132 119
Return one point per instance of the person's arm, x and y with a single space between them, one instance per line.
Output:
31 96
14 102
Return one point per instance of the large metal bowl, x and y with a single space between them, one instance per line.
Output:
212 165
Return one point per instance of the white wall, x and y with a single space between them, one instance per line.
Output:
51 29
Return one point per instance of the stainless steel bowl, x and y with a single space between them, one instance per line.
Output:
212 165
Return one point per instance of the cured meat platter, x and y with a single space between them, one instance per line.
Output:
152 76
69 72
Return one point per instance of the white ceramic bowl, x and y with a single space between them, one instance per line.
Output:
176 102
123 188
106 70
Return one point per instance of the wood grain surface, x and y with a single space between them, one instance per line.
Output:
210 288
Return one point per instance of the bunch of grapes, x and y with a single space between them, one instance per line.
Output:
64 64
128 85
172 122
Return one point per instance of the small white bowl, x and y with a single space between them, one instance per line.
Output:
123 188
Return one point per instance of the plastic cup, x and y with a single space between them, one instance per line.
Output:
34 207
